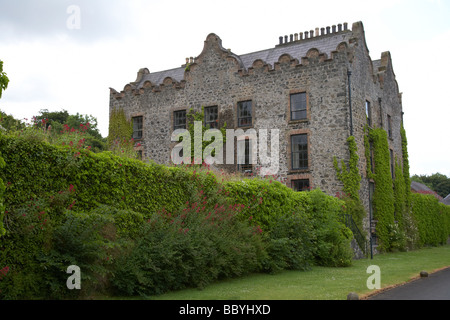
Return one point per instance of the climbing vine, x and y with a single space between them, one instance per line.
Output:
406 175
193 116
351 180
350 176
383 198
119 127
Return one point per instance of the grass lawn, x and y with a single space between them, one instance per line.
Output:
321 283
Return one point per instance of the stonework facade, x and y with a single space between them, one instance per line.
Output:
316 87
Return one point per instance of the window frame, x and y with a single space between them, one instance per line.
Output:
293 182
389 126
178 126
238 113
216 121
368 108
247 166
300 152
141 129
392 156
291 106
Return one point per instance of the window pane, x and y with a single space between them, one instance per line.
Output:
300 185
179 119
368 113
299 151
244 113
137 128
298 106
211 117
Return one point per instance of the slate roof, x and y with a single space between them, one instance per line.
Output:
421 188
296 49
446 200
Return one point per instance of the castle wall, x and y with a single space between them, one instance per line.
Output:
217 77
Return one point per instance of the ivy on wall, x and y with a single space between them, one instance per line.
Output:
192 117
120 128
383 198
351 179
406 174
350 176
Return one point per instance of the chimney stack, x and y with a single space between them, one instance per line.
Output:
317 32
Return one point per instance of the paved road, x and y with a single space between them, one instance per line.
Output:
434 287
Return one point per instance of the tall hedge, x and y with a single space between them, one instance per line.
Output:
38 169
69 206
431 218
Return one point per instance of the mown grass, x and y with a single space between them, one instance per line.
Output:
321 283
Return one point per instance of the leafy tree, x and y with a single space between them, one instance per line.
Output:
57 119
9 123
437 182
61 120
3 79
3 85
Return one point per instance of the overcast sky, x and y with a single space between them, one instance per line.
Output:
62 54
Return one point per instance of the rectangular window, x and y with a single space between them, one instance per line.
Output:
300 185
368 114
244 155
244 111
211 117
298 106
392 164
179 119
299 151
371 192
389 124
372 163
137 127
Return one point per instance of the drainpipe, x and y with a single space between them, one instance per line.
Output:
349 73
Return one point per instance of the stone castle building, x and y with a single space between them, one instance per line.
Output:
317 87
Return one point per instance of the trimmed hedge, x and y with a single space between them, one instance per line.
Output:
37 170
432 219
145 228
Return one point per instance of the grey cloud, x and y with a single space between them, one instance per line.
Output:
33 19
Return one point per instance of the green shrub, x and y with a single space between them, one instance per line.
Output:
330 236
289 245
87 240
191 247
265 200
29 233
145 228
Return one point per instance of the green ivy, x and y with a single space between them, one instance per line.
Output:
406 174
383 198
200 116
120 128
431 218
350 177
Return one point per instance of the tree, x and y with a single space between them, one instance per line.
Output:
437 182
3 85
9 123
59 121
3 79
